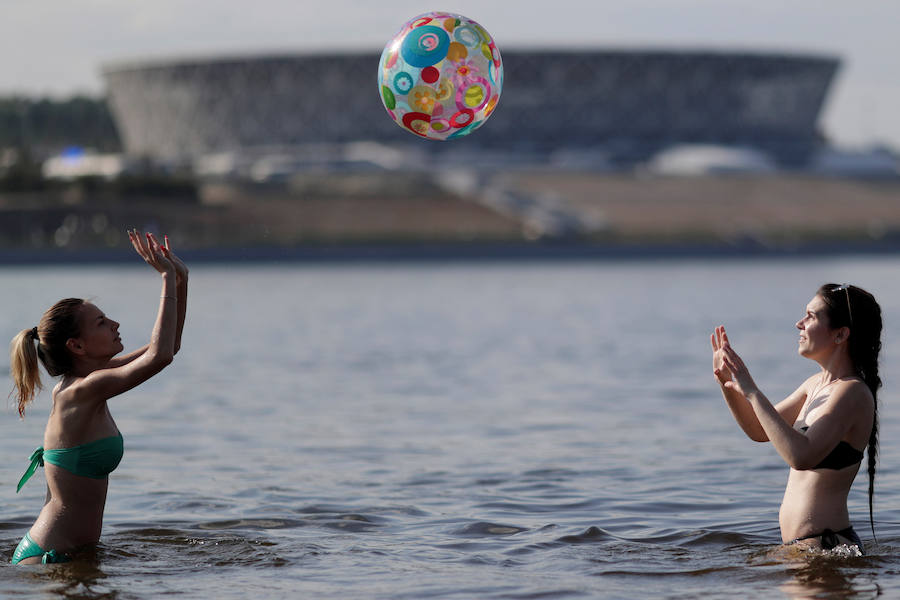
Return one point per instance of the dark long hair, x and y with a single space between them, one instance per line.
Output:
855 308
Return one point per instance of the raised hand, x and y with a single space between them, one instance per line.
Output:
739 375
181 270
151 251
719 339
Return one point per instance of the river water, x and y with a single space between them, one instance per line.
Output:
454 430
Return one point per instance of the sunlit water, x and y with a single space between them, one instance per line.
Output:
460 430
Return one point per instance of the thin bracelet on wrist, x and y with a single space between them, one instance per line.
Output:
172 297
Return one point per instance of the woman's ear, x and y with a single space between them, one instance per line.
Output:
842 335
75 346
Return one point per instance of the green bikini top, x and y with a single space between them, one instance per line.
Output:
95 459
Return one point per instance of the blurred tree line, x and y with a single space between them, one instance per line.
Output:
44 126
33 129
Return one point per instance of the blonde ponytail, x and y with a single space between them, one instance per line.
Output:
45 343
23 361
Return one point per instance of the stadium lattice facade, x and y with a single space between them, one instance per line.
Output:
626 104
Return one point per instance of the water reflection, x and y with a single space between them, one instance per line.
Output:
81 579
817 574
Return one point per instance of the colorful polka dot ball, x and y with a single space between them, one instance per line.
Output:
440 77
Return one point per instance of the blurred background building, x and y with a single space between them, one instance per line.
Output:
602 148
266 116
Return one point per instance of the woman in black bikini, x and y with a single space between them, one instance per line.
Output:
821 429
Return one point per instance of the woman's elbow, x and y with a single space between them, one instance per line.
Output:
161 359
800 463
757 436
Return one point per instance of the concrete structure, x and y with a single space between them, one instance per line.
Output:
622 106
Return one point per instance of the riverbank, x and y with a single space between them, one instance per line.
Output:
464 252
504 216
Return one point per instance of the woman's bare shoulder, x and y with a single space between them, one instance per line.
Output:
72 394
853 390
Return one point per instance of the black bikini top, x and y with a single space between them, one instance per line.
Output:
843 455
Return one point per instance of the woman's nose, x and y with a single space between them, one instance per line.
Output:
799 324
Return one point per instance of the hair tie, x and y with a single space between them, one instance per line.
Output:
34 334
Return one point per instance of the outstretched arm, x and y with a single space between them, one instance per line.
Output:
743 412
181 279
142 364
737 403
800 451
181 285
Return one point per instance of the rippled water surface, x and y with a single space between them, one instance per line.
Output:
526 430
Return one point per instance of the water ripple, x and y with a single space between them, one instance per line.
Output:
454 431
481 529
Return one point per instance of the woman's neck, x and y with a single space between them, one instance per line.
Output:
836 365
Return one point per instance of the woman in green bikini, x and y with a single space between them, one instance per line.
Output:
82 445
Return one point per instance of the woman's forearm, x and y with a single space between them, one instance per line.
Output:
744 414
790 444
182 311
124 360
162 339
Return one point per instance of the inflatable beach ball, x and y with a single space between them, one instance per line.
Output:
440 77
